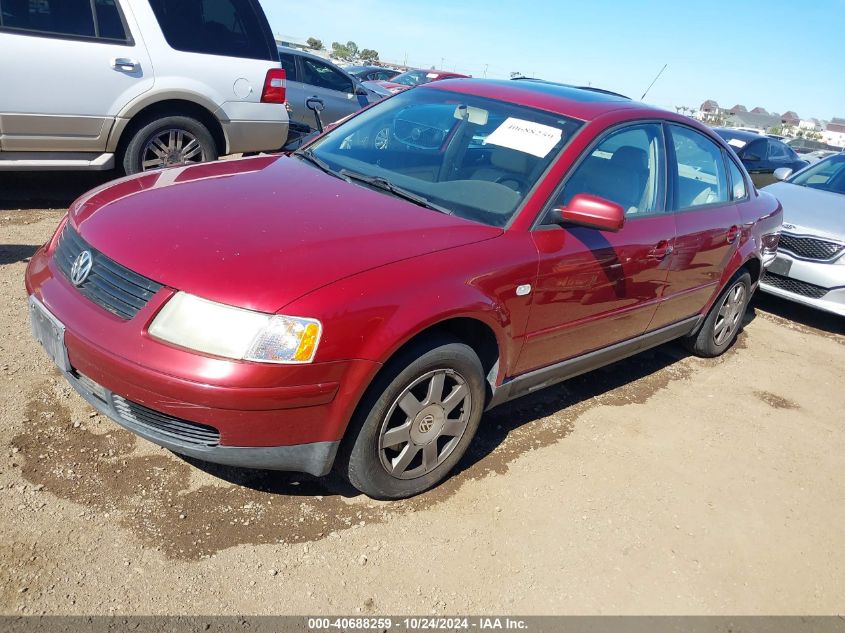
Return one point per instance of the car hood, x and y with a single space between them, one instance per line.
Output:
810 211
258 232
385 88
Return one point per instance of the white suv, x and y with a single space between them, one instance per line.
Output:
138 84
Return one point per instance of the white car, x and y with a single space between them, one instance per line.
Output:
137 84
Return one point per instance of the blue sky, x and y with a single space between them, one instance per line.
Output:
777 54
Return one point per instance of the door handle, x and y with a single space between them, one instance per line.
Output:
733 233
124 63
661 250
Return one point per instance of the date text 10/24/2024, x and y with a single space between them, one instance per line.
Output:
416 623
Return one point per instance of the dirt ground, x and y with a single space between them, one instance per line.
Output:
664 484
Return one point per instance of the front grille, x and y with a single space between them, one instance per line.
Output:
109 285
793 285
136 415
810 247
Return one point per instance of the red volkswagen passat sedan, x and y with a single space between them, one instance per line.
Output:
361 307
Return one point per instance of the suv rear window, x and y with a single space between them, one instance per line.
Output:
233 28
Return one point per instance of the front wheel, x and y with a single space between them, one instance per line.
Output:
724 321
416 421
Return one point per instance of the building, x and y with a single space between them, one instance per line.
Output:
834 132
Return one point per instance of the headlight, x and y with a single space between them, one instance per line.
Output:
221 330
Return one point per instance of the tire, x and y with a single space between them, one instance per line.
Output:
181 140
402 440
724 321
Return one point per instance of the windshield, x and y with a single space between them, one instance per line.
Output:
474 157
415 77
827 175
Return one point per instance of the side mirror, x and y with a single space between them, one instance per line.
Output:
591 211
361 91
782 173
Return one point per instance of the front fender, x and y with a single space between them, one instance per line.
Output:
372 314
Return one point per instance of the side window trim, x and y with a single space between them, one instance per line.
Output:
674 178
663 188
129 41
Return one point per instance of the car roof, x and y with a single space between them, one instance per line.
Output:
580 103
726 132
302 53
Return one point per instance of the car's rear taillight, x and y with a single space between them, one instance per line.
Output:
274 86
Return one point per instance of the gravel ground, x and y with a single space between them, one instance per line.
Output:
663 484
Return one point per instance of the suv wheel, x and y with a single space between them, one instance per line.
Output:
417 421
724 321
167 142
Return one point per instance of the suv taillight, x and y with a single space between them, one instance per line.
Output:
274 86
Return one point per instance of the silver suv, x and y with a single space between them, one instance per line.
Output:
137 84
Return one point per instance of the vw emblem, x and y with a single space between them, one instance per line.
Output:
81 268
789 227
426 423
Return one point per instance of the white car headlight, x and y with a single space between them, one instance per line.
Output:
221 330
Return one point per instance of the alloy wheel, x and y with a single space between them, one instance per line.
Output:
730 314
381 141
171 147
424 424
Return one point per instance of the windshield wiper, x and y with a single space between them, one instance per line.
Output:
385 185
308 155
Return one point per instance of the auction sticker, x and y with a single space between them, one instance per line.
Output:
525 136
737 142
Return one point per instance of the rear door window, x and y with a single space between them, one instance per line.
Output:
109 22
700 177
738 189
322 75
233 28
778 151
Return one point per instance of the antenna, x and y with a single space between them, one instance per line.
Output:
653 82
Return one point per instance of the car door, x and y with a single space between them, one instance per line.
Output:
594 287
68 66
333 86
707 221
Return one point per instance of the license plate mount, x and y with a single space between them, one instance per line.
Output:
49 332
780 266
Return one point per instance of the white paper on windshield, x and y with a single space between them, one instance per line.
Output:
737 143
432 75
525 136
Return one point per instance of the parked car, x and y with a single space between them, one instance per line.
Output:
810 263
372 73
409 79
349 306
761 155
814 157
311 76
806 145
137 84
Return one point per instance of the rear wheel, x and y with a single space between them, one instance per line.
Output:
168 142
724 321
416 421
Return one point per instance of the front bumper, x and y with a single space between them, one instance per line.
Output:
315 458
280 417
816 284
